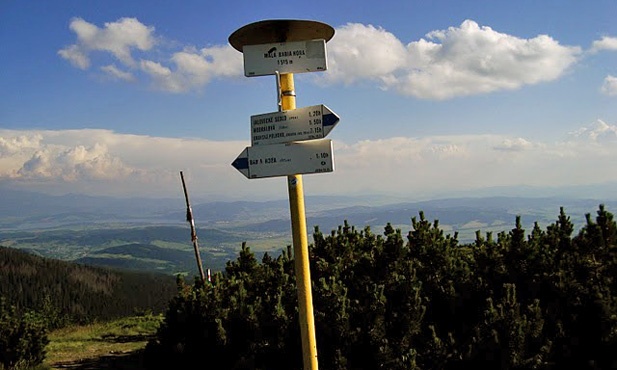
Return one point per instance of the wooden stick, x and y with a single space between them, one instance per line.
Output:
189 218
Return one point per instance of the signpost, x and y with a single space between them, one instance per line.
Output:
301 157
314 122
284 57
282 48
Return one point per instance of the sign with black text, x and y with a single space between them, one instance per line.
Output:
307 123
298 157
286 57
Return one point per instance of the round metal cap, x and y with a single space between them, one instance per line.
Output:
279 30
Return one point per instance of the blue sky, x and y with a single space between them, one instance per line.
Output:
435 97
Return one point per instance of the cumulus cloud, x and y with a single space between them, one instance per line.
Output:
72 164
473 162
465 60
34 155
45 155
193 69
76 56
182 71
12 145
107 163
117 38
609 87
513 145
364 52
599 132
458 61
605 43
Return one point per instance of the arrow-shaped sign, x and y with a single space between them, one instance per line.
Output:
293 158
308 123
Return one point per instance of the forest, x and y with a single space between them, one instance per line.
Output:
75 293
543 298
39 294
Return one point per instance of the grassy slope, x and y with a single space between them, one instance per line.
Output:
114 344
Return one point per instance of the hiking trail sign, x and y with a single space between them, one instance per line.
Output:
284 57
298 157
308 123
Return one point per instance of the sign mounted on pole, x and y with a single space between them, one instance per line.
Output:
300 157
284 47
307 123
285 57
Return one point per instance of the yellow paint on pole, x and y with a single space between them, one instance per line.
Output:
300 244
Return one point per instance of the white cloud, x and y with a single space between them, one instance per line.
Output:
116 73
605 43
470 59
459 61
609 87
182 71
411 165
12 145
72 164
107 163
599 132
117 38
76 56
194 69
465 60
363 52
513 145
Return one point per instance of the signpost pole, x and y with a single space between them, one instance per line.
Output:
300 243
283 47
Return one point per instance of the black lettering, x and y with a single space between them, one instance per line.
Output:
264 128
270 53
260 121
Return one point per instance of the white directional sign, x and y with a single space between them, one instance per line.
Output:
308 123
293 158
286 57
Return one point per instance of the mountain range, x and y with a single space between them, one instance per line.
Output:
152 234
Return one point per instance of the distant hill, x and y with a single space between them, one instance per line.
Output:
21 210
95 236
149 257
82 293
147 251
166 249
462 215
104 231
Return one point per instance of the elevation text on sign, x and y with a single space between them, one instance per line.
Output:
287 57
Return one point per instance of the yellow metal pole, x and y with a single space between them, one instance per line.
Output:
300 244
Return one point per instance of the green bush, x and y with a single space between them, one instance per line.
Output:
539 300
22 339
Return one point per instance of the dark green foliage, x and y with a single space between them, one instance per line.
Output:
543 299
66 292
22 338
244 319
